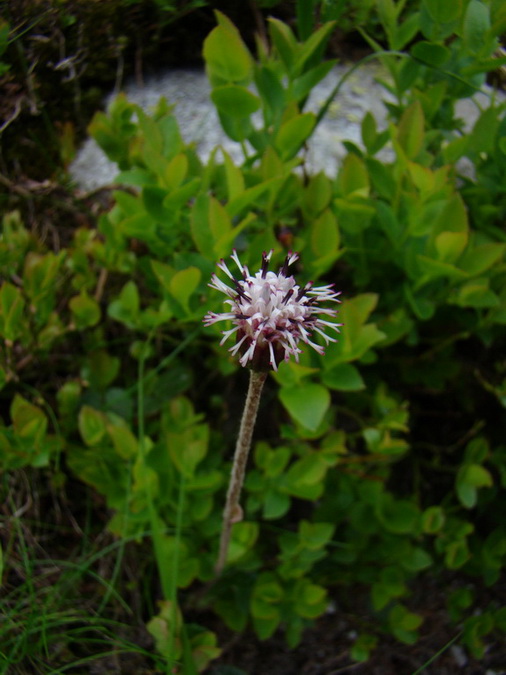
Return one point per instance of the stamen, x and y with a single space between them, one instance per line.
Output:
265 263
287 297
302 292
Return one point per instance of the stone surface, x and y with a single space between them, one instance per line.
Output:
189 91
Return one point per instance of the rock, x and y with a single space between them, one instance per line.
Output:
189 91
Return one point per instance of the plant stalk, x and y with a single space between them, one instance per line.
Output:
232 512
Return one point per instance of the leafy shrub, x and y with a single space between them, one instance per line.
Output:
391 445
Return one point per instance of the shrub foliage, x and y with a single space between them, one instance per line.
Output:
380 462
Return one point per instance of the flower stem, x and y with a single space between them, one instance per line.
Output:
233 512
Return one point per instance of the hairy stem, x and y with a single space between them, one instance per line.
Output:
233 512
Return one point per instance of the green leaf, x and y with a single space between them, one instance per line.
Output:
476 293
432 99
455 149
227 57
235 177
422 307
430 53
275 505
308 471
315 536
369 131
458 602
139 226
477 451
250 196
387 14
383 183
304 84
92 425
478 259
293 134
475 629
404 623
172 142
470 477
101 369
307 404
28 421
313 46
284 41
398 516
396 326
433 519
272 462
406 31
343 377
444 12
39 274
353 178
381 441
163 273
431 269
234 100
317 194
85 311
450 245
200 226
271 90
383 591
180 197
126 307
363 646
12 305
219 220
456 554
123 440
183 284
476 27
305 18
324 235
138 177
153 198
243 538
355 338
453 216
483 137
416 559
188 447
310 599
410 133
176 171
267 594
225 243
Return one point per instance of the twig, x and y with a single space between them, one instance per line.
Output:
102 278
15 114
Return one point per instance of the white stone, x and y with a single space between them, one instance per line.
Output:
189 91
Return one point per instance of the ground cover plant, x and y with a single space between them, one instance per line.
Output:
375 467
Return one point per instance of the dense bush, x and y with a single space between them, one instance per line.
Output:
380 462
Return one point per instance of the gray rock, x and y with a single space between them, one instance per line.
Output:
189 91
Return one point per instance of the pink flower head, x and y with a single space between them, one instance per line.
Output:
271 314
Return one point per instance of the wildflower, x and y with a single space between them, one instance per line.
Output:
271 314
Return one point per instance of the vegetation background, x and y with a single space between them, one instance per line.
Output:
374 537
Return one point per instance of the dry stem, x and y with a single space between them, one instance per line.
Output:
232 512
